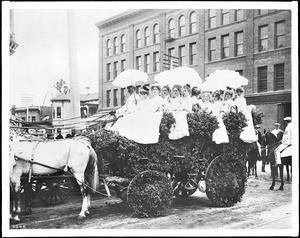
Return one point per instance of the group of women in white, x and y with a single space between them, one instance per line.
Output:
139 119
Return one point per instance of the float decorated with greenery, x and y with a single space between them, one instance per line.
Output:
158 172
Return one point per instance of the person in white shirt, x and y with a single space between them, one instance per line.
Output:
132 102
277 129
285 142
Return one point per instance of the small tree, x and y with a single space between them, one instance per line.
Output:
61 87
13 109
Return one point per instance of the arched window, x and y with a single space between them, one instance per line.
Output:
116 45
181 27
171 28
138 39
192 22
108 47
147 36
123 43
155 34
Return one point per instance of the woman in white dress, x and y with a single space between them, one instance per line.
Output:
187 99
166 96
176 107
142 126
248 134
220 134
205 104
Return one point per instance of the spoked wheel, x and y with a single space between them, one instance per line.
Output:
225 180
54 191
183 188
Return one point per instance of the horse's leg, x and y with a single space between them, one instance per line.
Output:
281 176
84 208
255 169
248 170
83 189
88 204
16 208
287 172
273 178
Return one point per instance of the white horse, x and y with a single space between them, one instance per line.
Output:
77 156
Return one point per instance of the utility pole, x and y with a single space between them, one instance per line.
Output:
73 68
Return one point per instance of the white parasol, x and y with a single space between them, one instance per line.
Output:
130 77
221 79
181 75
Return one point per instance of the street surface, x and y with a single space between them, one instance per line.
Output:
260 209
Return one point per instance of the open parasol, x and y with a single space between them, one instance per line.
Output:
130 77
221 79
181 75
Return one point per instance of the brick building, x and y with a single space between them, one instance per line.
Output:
256 43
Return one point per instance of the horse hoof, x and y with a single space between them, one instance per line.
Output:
263 170
271 188
87 213
80 217
280 188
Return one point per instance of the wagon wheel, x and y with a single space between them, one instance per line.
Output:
183 188
225 180
150 194
53 191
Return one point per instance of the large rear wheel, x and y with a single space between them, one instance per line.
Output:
225 180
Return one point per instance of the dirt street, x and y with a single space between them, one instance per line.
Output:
259 209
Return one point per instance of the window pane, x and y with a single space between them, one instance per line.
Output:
262 79
156 34
263 34
279 76
138 39
171 28
181 55
225 17
193 22
280 41
192 53
116 46
239 15
123 43
182 26
147 36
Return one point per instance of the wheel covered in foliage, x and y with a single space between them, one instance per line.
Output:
150 194
225 180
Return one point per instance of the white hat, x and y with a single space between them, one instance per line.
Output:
287 119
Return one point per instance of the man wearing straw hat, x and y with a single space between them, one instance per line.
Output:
285 142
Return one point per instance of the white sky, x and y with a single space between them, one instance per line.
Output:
41 58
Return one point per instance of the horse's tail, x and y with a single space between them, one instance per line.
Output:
94 172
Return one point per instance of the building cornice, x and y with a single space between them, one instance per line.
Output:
120 17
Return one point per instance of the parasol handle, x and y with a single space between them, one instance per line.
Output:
133 91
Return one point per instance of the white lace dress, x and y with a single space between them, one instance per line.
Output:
142 126
181 128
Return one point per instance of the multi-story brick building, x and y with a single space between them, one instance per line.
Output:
256 43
